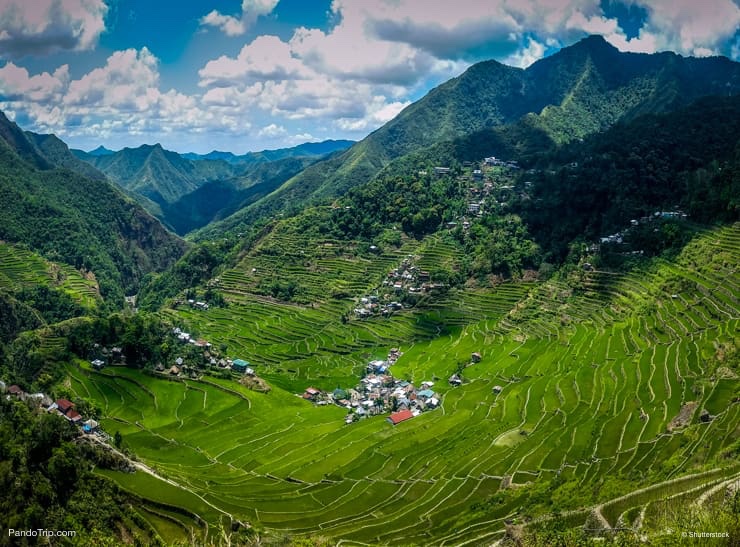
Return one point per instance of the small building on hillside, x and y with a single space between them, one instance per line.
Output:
64 406
97 364
497 389
311 394
475 357
240 365
400 416
16 391
90 426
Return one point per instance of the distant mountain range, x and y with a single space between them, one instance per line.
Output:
579 90
159 179
308 149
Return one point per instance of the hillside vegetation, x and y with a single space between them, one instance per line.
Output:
83 222
581 89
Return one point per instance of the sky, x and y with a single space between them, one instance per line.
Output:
250 75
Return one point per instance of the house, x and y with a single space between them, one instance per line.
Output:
400 416
16 390
64 406
475 357
89 426
73 416
477 174
159 367
97 364
455 380
179 361
240 365
425 393
311 393
249 371
497 389
175 370
439 171
474 208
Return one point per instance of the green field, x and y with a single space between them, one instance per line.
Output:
594 367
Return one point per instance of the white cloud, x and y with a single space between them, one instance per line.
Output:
266 58
234 26
526 56
687 26
16 83
272 131
42 26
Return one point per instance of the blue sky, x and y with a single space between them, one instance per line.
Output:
254 74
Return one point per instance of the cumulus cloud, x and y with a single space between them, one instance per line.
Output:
686 26
234 26
17 84
42 26
272 131
122 97
266 58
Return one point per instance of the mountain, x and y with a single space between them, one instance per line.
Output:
188 191
82 221
101 151
56 152
218 199
158 174
308 149
579 90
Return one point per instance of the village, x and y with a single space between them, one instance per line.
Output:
61 407
485 191
378 392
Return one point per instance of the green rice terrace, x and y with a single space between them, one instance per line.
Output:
617 386
20 268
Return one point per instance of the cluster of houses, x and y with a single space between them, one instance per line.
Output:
493 161
180 368
61 407
618 237
482 193
405 278
379 393
197 304
103 355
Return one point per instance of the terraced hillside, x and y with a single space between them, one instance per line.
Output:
622 387
20 269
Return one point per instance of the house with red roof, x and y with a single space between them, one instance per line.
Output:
400 416
64 406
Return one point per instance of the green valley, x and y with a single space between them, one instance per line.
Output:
508 316
595 369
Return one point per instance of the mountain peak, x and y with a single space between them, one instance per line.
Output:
101 151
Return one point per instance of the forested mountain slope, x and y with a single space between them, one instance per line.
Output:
581 89
81 221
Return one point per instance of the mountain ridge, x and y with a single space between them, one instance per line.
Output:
581 89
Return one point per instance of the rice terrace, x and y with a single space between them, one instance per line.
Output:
605 379
369 272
